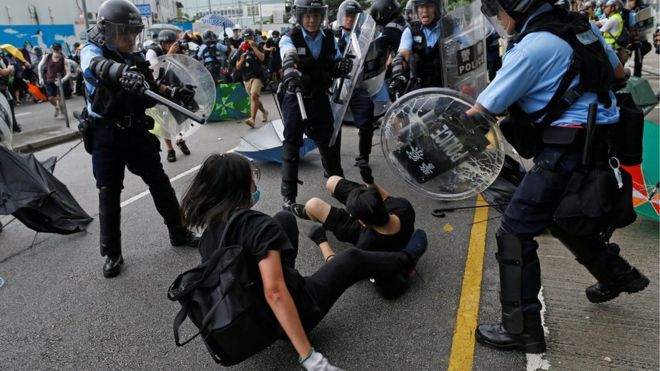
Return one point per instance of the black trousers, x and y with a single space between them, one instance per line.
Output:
349 266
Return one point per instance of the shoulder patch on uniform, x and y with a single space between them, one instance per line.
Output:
587 37
302 51
417 39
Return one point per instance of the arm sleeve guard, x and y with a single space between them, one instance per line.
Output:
107 71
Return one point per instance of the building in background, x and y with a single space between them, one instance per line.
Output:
262 14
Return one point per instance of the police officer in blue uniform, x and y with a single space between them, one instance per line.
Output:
419 51
213 54
310 60
558 65
118 135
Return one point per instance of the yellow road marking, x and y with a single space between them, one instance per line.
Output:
462 347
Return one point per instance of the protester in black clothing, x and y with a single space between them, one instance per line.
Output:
235 40
274 60
227 183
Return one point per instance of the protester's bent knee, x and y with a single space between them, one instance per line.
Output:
313 206
331 184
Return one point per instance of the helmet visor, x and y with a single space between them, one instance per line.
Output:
122 36
497 17
311 11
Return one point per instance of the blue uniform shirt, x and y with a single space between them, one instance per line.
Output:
531 72
431 34
200 52
314 44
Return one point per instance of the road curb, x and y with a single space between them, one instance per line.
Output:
35 145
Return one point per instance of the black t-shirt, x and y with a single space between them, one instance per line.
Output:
275 54
374 241
258 233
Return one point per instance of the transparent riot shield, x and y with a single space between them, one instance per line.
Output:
5 123
180 70
430 142
463 49
375 67
362 35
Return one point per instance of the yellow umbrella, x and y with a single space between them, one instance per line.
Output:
13 51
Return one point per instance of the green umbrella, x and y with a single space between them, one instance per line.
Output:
231 103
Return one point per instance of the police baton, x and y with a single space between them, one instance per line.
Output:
590 129
301 104
169 104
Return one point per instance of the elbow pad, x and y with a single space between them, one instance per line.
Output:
106 70
398 65
290 60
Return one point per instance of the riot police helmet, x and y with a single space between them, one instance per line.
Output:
436 5
209 37
383 11
119 23
409 12
346 14
515 9
309 7
167 36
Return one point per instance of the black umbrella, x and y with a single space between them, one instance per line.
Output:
32 194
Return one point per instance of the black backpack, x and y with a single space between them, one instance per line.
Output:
221 297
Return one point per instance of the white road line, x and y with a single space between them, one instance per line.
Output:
22 114
139 196
538 361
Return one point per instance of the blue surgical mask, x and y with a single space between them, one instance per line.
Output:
254 196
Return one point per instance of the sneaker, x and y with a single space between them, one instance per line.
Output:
16 128
183 147
299 211
249 122
181 236
288 203
416 247
112 266
265 116
171 155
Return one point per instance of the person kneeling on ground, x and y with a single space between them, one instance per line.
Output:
373 220
227 183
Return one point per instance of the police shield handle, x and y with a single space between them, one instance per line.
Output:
301 104
169 104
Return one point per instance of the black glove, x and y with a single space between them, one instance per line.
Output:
365 172
317 234
397 86
344 65
184 94
132 81
292 81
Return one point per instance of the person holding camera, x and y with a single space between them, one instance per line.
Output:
249 65
167 44
117 133
227 184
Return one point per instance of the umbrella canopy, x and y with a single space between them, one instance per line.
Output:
231 103
265 143
499 193
157 27
30 192
13 51
217 20
646 177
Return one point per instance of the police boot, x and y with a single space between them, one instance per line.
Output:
168 207
520 282
530 340
289 188
364 145
110 232
331 159
603 261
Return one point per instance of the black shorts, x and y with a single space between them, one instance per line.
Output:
52 90
344 226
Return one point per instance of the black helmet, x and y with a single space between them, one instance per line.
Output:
116 17
167 36
348 7
383 11
248 33
302 7
516 9
209 37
